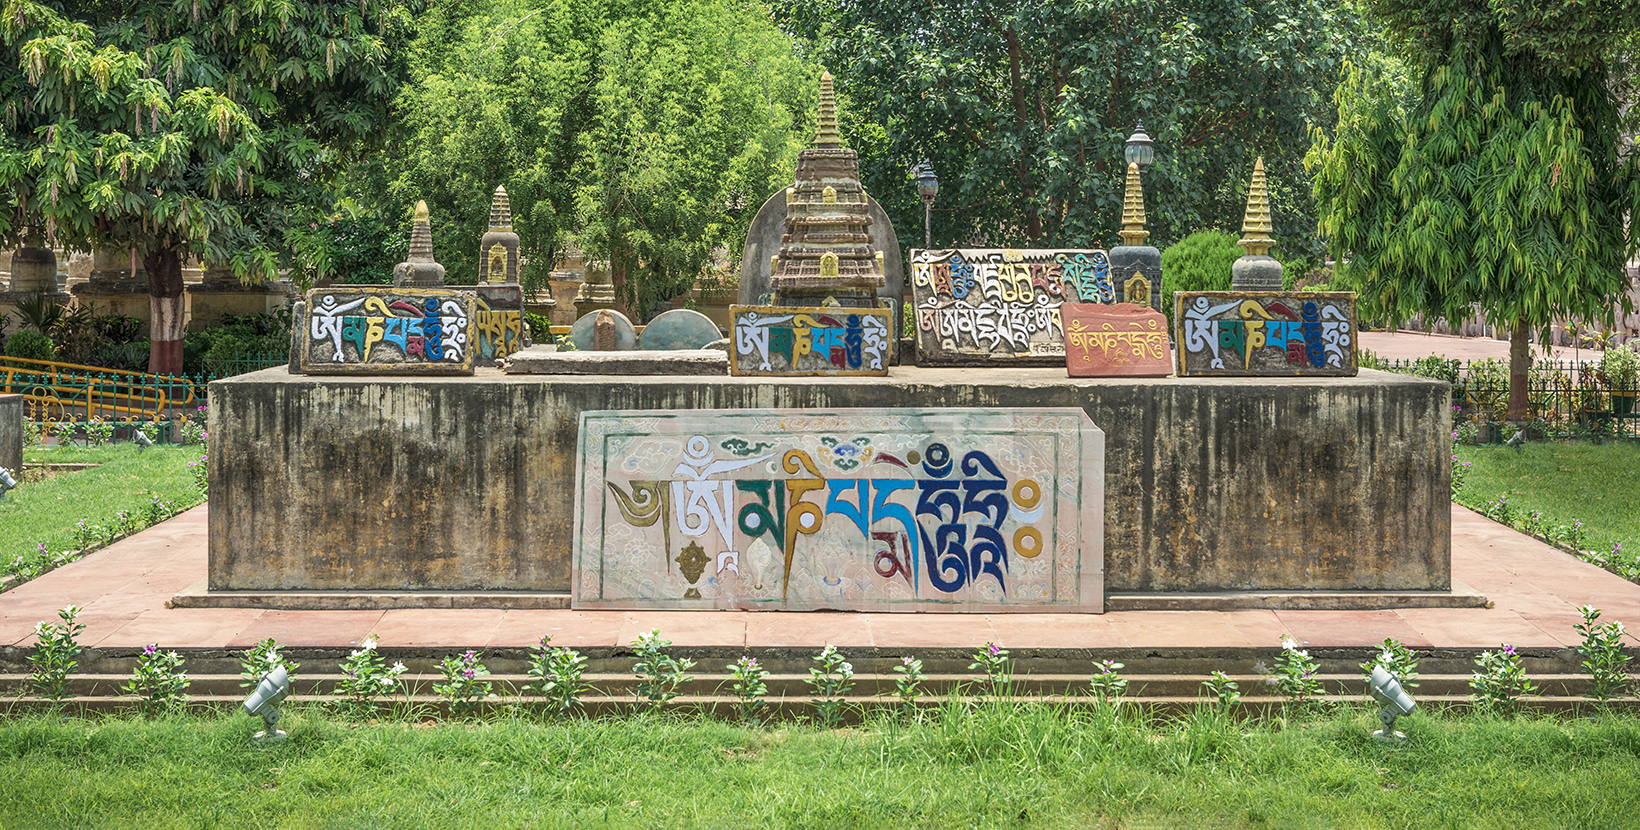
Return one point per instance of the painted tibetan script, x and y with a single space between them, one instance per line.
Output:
809 341
1119 340
1265 333
388 331
498 321
994 306
862 509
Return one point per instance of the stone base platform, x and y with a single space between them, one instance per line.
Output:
198 595
1461 596
423 485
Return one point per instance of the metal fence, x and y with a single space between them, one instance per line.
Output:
1567 398
57 393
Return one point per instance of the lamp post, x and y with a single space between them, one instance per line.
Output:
1140 149
928 186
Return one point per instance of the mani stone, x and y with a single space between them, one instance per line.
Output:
1135 268
621 335
1257 270
827 255
498 249
680 328
1116 340
419 270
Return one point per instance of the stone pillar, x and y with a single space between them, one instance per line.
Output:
1257 270
1136 268
11 432
115 287
219 293
33 271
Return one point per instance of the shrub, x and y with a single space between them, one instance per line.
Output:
1602 653
1295 672
1198 262
557 673
659 674
831 682
464 686
751 684
260 660
56 654
159 680
30 345
908 678
367 675
993 661
1107 681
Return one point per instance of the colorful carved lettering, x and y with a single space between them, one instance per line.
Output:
367 330
987 306
809 341
1259 333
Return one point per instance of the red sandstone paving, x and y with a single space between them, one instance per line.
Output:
1407 345
123 590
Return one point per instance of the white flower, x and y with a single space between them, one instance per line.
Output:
71 609
273 658
848 670
353 654
38 628
1620 628
369 644
388 682
398 668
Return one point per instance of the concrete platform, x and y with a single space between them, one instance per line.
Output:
125 591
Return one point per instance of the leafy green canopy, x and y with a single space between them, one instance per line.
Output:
1502 183
1024 107
651 131
202 127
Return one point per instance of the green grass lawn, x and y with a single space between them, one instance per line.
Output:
48 510
1000 767
1598 485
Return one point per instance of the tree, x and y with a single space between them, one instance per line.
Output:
650 130
1502 181
188 127
1024 107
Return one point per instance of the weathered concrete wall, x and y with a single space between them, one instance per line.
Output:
466 483
11 432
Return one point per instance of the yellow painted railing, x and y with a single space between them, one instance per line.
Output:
54 391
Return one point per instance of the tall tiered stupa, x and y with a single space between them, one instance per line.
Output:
827 254
498 249
1257 270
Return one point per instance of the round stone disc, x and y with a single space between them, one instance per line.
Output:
626 337
680 328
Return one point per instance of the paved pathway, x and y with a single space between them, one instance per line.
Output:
1405 345
124 587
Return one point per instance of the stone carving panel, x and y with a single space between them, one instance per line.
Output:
859 509
996 306
1265 333
768 340
1120 340
375 331
498 321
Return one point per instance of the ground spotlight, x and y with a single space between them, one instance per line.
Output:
1516 440
7 482
143 441
1387 690
264 702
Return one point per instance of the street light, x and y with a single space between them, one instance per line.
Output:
928 186
1139 148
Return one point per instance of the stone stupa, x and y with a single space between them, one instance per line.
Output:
419 269
498 249
1256 270
1136 268
827 255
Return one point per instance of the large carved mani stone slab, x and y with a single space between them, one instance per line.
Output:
1120 340
832 342
1269 333
1000 307
955 510
385 331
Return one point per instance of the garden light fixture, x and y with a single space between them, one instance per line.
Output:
1387 690
263 703
143 441
1516 440
1140 149
6 481
928 186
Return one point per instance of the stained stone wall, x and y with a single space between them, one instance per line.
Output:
468 483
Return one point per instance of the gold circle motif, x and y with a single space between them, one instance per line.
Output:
1027 542
1027 493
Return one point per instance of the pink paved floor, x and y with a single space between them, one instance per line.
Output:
123 589
1406 345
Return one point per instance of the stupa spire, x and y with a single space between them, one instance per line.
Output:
500 210
421 235
827 134
1133 210
1255 225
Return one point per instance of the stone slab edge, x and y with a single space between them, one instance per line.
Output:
197 596
1461 596
658 362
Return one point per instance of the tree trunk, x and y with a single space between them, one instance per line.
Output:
1520 365
165 311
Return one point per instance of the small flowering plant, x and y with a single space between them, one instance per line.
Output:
464 686
908 679
993 661
1603 656
1295 672
158 680
366 675
659 674
56 654
1400 661
1108 683
831 681
1224 690
556 674
750 685
1500 680
260 660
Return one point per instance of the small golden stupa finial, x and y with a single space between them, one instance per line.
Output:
1133 210
500 210
421 211
827 135
1255 226
421 235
